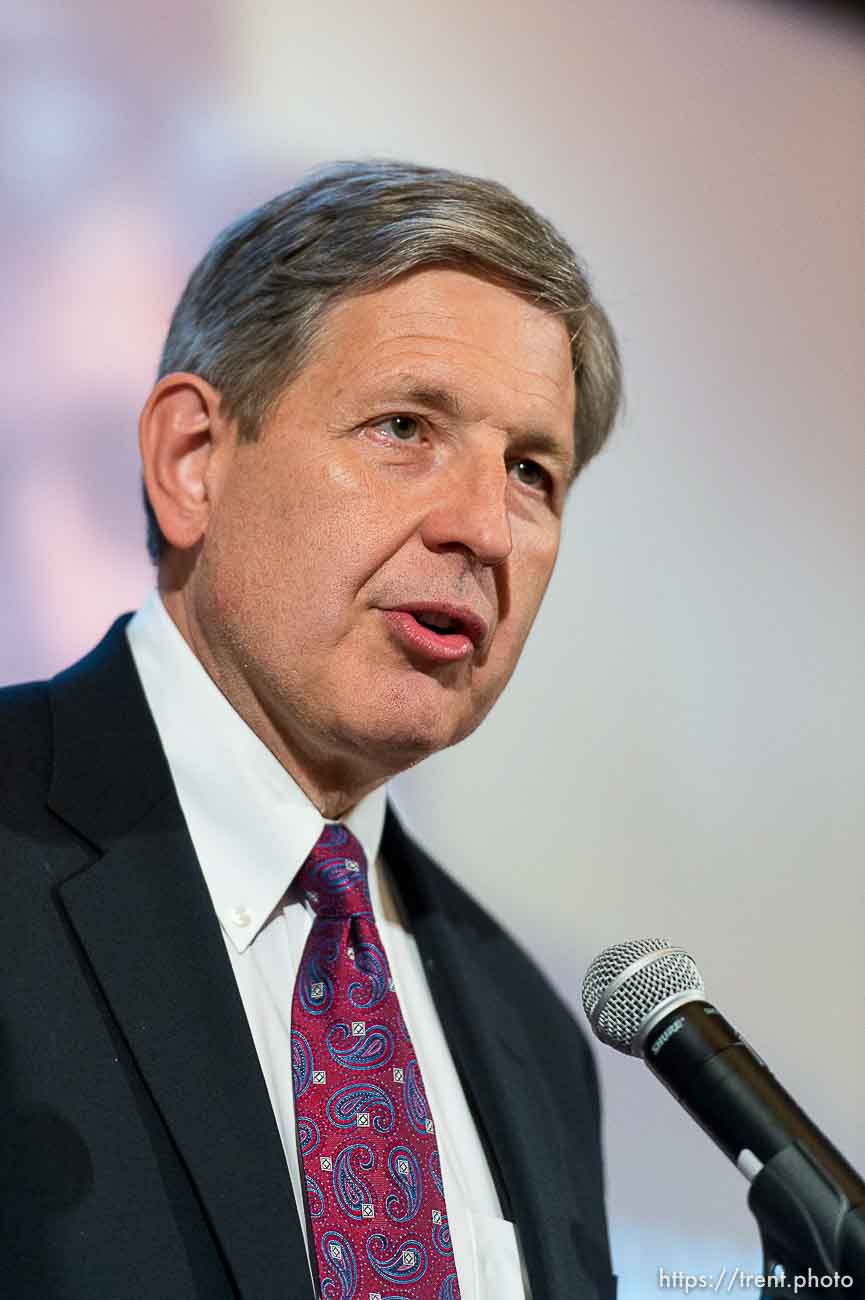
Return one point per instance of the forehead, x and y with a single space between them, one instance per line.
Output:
453 329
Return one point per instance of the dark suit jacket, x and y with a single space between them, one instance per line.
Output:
140 1157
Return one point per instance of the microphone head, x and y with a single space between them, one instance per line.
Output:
629 986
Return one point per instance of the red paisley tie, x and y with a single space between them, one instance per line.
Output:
374 1192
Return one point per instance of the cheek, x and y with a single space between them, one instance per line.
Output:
297 554
530 578
527 587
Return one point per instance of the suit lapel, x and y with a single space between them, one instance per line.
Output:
505 1089
146 923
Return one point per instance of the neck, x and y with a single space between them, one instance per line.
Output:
333 783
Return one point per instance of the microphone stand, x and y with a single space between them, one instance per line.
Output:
808 1228
809 1203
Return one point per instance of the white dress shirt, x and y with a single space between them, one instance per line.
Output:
252 827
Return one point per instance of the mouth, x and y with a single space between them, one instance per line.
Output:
445 633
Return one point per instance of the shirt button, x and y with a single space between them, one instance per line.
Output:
240 916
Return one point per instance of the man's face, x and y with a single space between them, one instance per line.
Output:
415 470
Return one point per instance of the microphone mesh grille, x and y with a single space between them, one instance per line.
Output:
639 994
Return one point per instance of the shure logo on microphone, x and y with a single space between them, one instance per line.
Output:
671 1029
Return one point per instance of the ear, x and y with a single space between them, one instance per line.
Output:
184 443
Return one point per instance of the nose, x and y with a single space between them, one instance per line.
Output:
470 511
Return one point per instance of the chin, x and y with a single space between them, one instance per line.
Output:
405 736
407 745
398 722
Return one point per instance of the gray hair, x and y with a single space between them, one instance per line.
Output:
255 306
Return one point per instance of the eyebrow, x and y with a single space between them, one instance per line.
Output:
408 389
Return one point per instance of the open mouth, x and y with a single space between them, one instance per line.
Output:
433 634
438 622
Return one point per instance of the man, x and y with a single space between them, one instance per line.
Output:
257 1043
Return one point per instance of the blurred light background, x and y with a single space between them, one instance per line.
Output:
681 749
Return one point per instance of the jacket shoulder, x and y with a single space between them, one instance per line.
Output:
25 752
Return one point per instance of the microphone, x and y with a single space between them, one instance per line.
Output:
645 998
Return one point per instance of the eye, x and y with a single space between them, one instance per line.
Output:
531 474
403 427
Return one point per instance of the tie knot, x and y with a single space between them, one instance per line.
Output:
334 876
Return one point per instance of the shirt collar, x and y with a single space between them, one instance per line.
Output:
251 824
